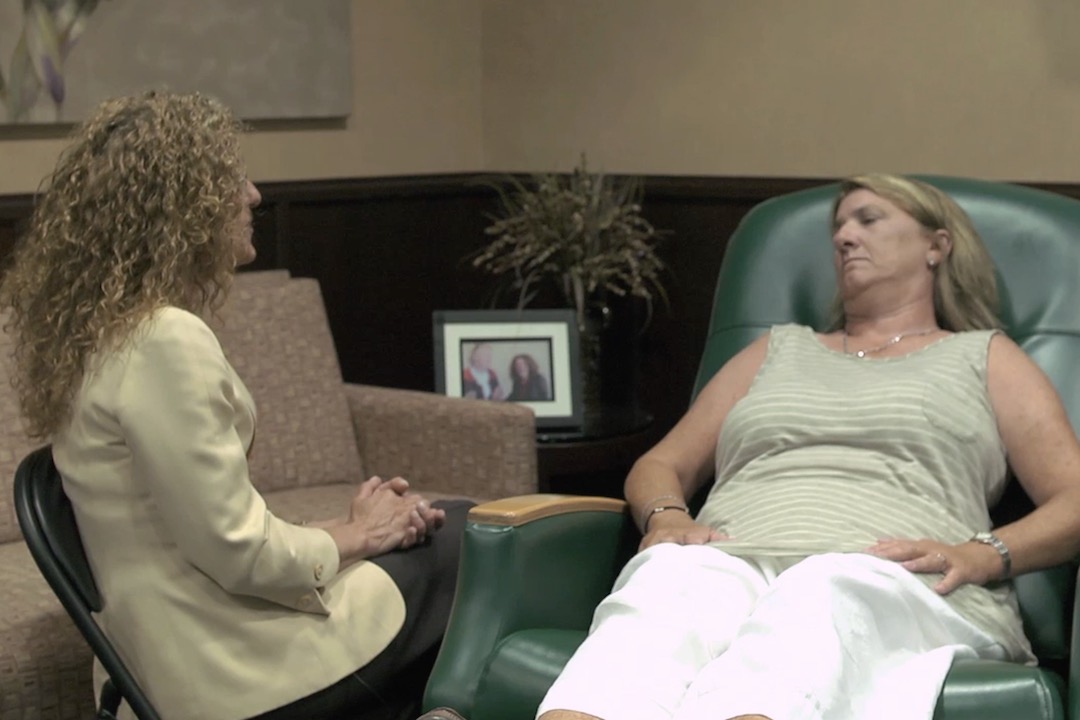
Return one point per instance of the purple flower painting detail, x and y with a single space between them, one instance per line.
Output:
49 33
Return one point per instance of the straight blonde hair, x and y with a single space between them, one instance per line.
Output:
965 285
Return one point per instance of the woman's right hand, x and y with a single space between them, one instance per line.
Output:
386 516
679 528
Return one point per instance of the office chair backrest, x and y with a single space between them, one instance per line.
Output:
778 269
48 524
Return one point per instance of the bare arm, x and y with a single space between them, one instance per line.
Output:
676 467
1044 453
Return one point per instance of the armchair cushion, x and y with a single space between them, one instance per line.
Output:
14 443
322 502
470 448
44 662
275 332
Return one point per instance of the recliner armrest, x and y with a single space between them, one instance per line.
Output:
540 561
523 509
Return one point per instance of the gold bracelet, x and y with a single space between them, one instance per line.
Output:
662 508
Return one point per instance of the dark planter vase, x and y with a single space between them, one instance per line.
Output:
609 350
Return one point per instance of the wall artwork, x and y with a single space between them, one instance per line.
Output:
266 59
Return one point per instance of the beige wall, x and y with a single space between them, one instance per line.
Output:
416 105
987 88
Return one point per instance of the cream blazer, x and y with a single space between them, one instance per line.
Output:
220 609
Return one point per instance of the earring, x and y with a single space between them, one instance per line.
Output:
931 263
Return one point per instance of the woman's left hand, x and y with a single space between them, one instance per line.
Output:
428 519
968 563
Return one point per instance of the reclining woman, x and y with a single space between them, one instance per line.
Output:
844 556
221 609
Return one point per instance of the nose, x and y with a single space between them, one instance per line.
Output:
844 236
252 194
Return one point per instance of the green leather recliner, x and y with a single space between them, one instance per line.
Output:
534 568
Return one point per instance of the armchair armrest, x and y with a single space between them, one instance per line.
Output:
473 448
543 561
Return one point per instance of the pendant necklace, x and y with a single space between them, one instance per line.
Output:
891 341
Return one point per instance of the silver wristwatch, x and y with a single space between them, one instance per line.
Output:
989 538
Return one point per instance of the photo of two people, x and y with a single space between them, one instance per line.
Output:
506 370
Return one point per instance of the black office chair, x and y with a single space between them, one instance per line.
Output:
48 525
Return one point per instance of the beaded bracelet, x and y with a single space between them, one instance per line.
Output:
662 508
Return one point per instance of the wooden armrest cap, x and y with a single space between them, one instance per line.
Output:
515 511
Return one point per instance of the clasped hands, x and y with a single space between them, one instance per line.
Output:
966 563
390 517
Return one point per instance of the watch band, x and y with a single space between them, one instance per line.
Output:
989 538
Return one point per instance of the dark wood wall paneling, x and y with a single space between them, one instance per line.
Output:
14 213
389 251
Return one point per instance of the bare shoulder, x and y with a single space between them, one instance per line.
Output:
1039 439
1010 369
733 380
1003 349
1025 402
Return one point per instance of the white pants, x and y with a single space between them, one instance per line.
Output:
692 633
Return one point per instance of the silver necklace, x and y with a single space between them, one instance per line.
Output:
891 341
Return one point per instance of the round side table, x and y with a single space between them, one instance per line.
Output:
595 459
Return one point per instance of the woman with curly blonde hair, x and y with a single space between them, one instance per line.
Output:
104 248
221 609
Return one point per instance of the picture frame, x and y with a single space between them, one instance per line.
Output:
525 356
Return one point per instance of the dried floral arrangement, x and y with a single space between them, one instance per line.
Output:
583 232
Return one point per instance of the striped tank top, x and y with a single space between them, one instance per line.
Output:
829 452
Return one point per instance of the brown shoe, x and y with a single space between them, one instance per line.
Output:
441 713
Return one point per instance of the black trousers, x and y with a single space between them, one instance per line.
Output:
391 686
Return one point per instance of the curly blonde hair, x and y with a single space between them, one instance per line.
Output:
140 213
965 286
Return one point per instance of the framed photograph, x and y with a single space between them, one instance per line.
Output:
523 356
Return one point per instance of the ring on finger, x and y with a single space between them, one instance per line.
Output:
942 560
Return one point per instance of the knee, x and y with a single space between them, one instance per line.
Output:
683 579
814 568
668 565
845 575
661 574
